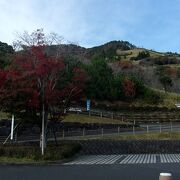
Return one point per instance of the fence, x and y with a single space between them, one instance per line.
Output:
170 127
136 117
101 132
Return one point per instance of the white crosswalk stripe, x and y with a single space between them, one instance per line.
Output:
127 159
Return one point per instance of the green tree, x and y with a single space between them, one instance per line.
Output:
141 55
5 54
5 49
100 79
166 81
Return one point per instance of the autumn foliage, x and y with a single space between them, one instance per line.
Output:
34 80
125 64
3 76
129 88
171 71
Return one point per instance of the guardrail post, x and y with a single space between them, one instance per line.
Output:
147 129
101 114
15 137
118 130
160 128
63 134
171 126
102 131
112 116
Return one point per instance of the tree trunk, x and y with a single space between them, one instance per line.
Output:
45 125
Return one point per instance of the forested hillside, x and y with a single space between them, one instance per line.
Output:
118 71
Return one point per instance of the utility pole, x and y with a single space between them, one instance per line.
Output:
43 123
42 135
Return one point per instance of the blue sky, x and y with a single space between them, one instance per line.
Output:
153 24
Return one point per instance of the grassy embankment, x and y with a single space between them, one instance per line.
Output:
134 53
79 118
91 119
168 100
145 136
150 136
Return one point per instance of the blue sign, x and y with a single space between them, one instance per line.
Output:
88 103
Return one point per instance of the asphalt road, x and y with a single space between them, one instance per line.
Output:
89 172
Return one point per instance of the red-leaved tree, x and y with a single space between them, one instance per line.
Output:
129 88
35 80
36 83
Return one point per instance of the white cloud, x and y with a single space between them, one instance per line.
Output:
76 20
91 22
62 17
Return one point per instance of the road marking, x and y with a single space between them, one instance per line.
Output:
127 159
104 159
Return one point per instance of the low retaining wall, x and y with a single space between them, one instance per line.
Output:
95 147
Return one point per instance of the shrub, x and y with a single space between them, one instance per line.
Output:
151 96
166 81
178 73
164 60
171 72
33 152
129 88
125 64
141 55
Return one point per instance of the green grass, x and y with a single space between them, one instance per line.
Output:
168 100
144 136
149 136
91 119
11 160
134 52
32 153
4 115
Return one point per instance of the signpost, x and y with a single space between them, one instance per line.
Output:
12 127
88 103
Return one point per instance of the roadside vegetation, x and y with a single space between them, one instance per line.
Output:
39 81
168 100
91 119
32 154
145 136
116 71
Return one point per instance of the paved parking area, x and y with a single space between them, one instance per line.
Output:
127 159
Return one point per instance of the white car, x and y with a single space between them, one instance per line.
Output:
74 109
